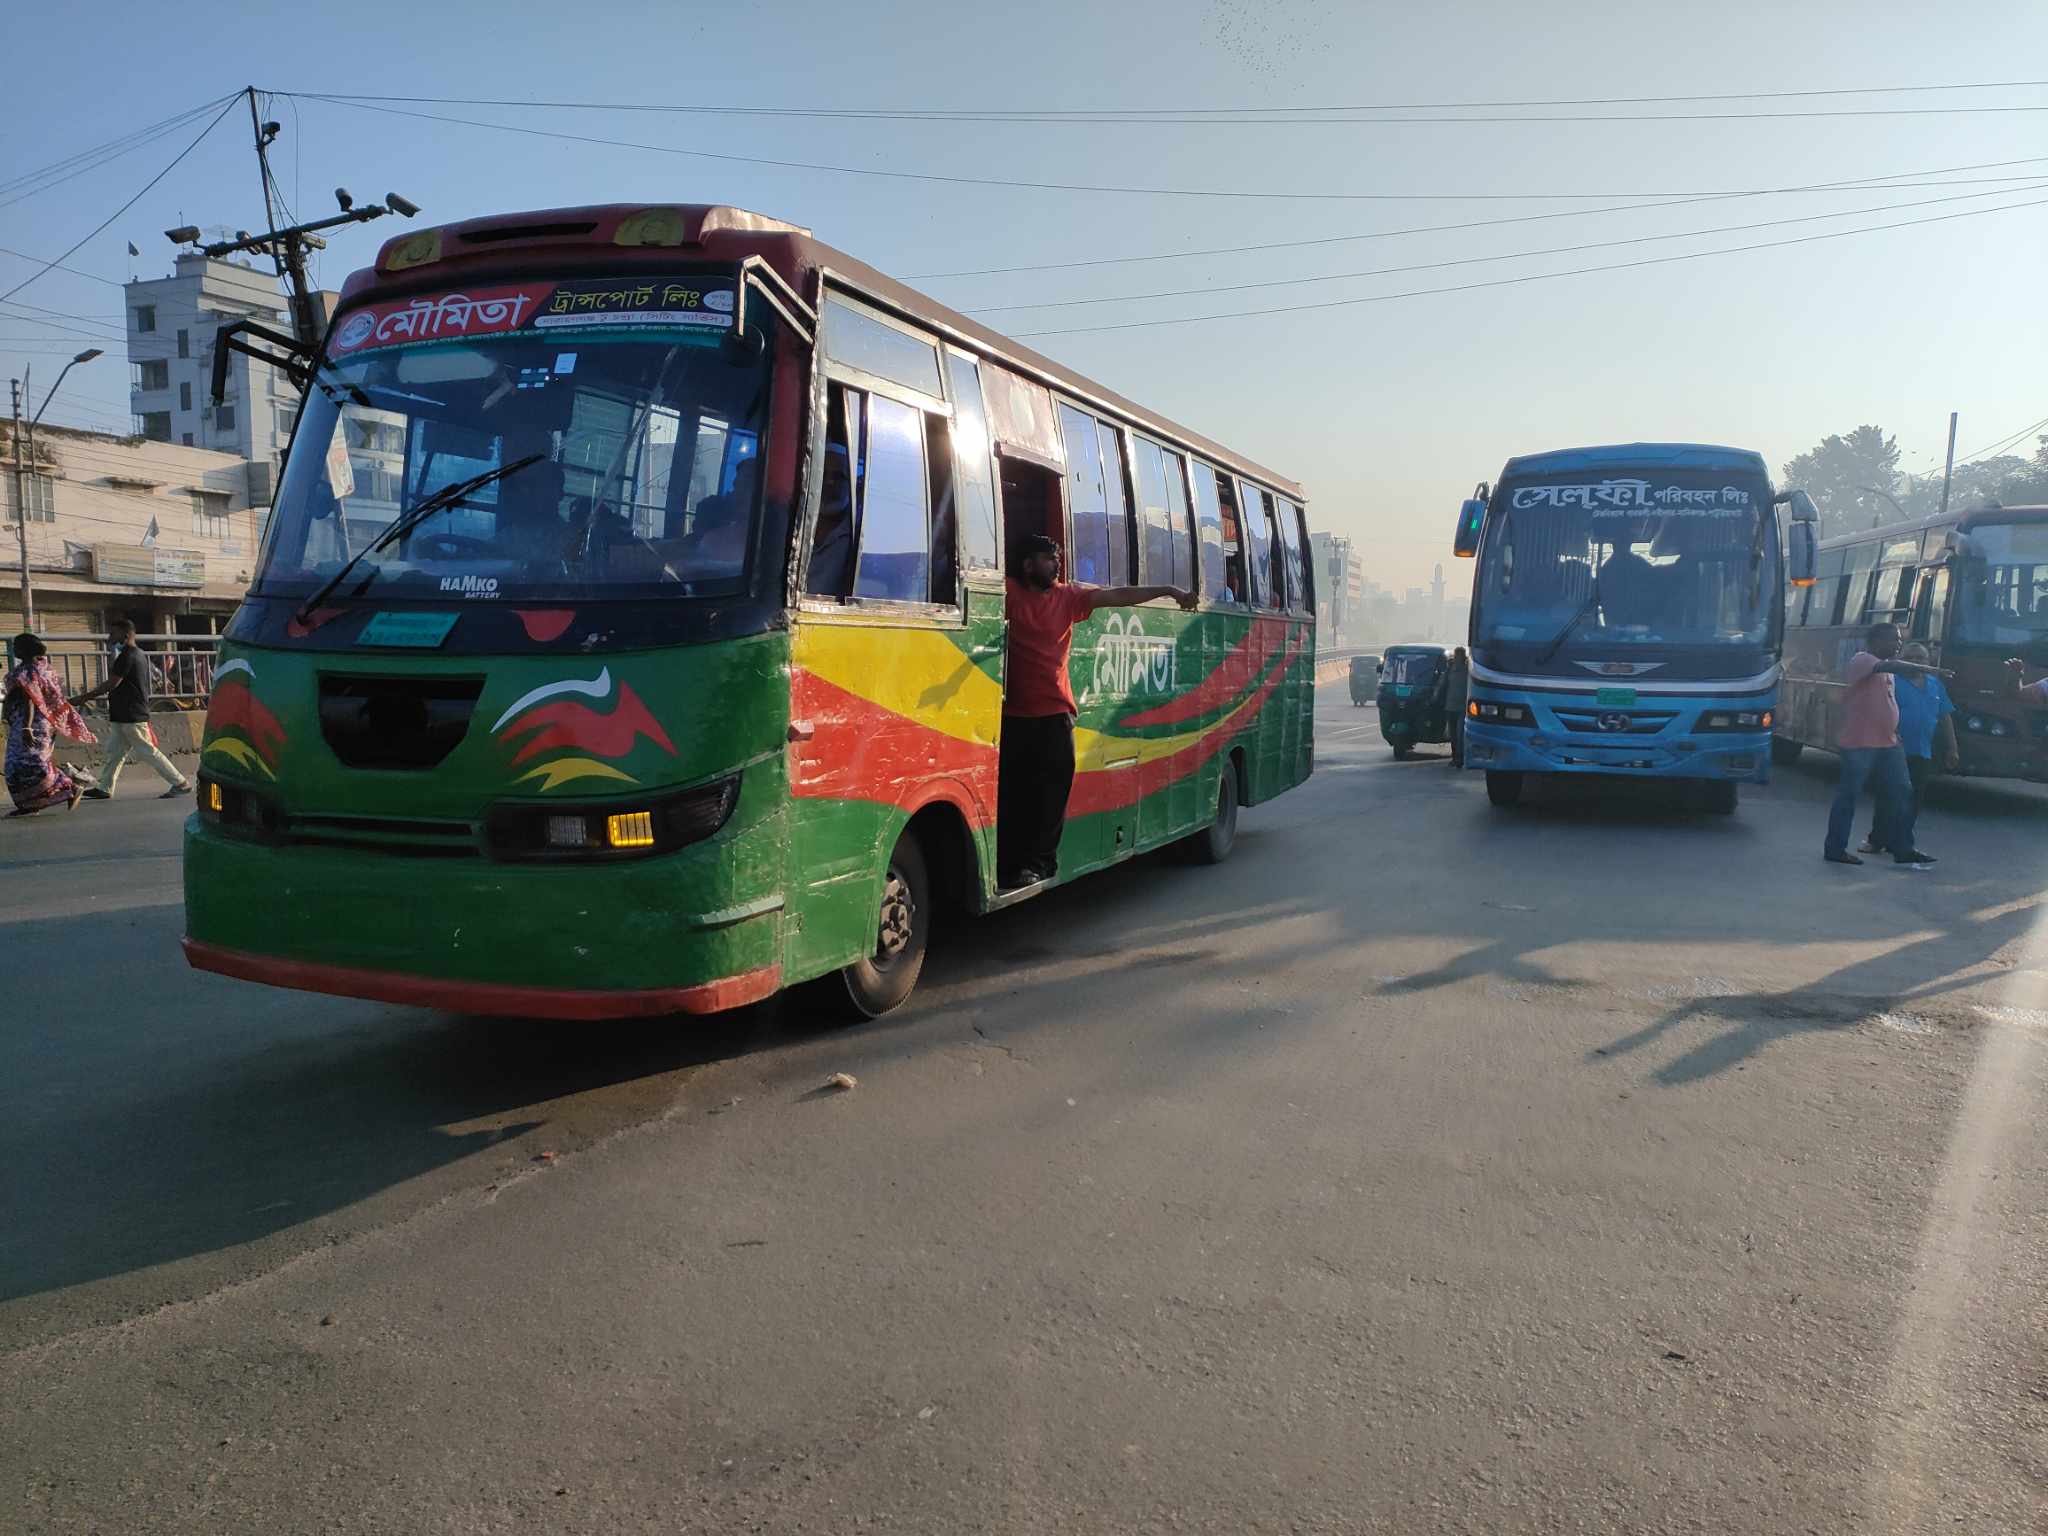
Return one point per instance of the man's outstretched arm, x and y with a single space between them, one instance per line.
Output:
1130 597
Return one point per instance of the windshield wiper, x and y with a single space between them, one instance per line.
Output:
400 527
1592 598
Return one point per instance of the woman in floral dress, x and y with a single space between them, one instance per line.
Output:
37 713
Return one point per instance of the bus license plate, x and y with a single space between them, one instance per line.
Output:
1615 698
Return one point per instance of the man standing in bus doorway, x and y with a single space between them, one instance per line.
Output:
1037 760
129 732
1868 742
1926 732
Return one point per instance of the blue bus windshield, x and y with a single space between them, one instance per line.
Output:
1661 558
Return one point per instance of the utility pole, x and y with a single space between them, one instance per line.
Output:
28 597
1949 473
287 247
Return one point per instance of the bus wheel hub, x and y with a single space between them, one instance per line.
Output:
899 917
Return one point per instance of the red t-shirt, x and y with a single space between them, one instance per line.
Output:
1041 637
1870 714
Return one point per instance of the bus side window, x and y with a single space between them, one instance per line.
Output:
895 506
1116 486
832 538
1258 524
1237 587
1856 583
1222 577
973 479
1932 620
1087 501
1155 517
1181 520
1294 541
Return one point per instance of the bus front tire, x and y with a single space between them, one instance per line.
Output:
1785 753
1213 843
1719 797
1400 751
1503 788
903 928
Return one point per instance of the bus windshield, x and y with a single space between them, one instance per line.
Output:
630 442
2004 584
1674 560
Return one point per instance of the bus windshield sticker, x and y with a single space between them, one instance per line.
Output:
419 631
1621 498
619 301
700 303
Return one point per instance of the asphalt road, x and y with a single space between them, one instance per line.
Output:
1589 1167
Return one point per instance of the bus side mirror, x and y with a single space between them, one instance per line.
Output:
1805 551
1803 509
1471 518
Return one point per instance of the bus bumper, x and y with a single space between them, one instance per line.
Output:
471 935
1744 758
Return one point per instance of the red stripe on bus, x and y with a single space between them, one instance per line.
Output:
1111 789
1232 675
482 997
858 750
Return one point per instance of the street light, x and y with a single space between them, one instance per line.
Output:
24 455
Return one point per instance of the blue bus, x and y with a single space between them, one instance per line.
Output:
1628 615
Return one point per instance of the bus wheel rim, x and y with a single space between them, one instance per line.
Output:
898 920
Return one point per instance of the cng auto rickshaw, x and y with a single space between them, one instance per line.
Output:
1412 704
1365 680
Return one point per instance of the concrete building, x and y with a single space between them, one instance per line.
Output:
124 525
172 322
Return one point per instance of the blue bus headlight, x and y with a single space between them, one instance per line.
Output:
1736 720
1499 714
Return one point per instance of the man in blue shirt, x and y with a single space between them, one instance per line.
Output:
1925 729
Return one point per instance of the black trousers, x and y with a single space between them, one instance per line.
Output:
1037 775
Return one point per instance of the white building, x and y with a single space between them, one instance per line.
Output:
172 322
161 533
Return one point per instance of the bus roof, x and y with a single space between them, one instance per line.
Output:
1965 518
574 241
1613 456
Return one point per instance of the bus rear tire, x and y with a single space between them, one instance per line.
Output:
1400 751
1785 753
1503 788
1213 843
903 930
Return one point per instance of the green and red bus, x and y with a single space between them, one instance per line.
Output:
628 635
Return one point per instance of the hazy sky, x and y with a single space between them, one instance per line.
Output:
1387 411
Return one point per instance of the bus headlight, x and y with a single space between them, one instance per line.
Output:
234 808
1989 725
1736 720
612 829
1499 714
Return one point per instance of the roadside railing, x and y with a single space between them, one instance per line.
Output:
184 664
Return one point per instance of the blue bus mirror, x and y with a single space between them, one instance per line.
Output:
1471 518
1805 551
1803 509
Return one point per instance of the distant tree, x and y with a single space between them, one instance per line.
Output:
2008 479
1841 471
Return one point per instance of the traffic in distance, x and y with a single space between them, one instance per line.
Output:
658 660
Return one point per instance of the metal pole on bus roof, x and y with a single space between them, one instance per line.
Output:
1949 473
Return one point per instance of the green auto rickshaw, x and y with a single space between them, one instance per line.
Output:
1365 677
1413 707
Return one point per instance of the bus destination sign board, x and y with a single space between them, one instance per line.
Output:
582 304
